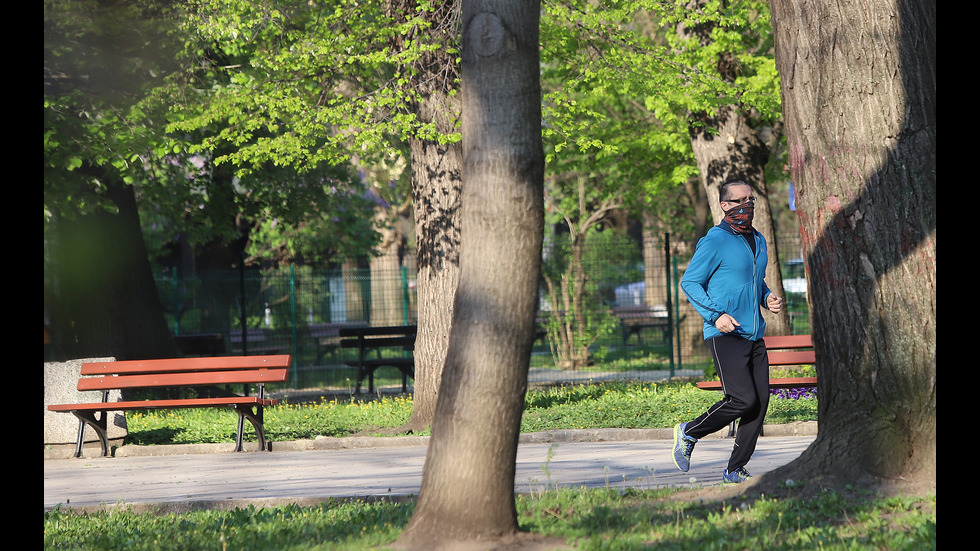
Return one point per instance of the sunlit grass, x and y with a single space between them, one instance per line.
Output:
596 519
580 406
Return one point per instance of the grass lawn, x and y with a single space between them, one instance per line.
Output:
603 519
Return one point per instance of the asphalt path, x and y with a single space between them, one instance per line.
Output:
182 478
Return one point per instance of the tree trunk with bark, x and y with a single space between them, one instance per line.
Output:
436 197
859 98
436 184
467 491
104 301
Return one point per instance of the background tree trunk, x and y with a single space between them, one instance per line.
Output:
436 196
105 302
467 490
858 82
436 184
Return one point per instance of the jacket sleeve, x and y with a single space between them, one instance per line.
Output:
695 281
765 292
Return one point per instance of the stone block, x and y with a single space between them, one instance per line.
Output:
60 387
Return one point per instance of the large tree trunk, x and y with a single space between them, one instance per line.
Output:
436 187
859 96
467 490
436 196
104 301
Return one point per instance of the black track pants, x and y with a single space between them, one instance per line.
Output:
744 371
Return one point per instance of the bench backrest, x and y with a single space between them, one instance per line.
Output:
184 372
790 353
321 330
402 336
627 312
252 334
378 331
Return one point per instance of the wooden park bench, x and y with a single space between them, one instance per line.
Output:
257 341
784 350
326 336
634 319
398 340
178 373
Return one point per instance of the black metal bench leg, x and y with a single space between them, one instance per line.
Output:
240 433
256 419
360 379
81 438
731 431
99 425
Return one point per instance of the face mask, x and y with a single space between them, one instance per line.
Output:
740 217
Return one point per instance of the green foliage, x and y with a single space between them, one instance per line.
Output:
98 59
299 84
620 405
106 110
619 85
304 105
576 273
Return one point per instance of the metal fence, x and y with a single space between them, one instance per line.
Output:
299 310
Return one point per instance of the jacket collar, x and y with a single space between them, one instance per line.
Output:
725 226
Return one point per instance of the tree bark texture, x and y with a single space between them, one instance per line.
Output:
436 184
105 302
858 82
436 197
467 490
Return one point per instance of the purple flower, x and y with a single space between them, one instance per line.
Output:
794 393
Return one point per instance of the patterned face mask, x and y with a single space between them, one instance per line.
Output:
740 217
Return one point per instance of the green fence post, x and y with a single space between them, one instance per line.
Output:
670 329
677 314
405 294
243 314
292 312
176 302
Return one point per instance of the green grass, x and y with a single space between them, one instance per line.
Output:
583 406
600 519
597 519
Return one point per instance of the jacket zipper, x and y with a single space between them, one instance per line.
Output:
755 287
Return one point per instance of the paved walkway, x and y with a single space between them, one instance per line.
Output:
187 477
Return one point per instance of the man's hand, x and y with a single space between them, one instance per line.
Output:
774 303
726 323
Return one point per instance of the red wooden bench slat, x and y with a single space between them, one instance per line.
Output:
783 357
793 382
786 382
183 379
185 364
789 341
792 358
162 404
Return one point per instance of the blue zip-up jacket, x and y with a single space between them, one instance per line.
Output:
724 276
